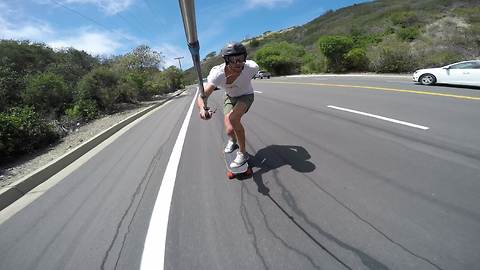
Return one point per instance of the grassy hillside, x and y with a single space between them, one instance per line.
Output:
433 32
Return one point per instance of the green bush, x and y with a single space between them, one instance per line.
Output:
314 63
335 48
281 58
11 85
357 60
405 18
441 58
100 85
72 65
47 92
408 33
174 77
254 43
392 57
83 110
21 131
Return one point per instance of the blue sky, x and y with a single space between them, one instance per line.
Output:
113 27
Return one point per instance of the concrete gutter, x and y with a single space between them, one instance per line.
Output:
9 194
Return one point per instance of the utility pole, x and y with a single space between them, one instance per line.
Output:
179 62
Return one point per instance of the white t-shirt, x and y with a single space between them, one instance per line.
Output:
241 86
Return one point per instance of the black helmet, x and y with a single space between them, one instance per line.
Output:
234 48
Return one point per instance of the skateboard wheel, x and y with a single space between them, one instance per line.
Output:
230 175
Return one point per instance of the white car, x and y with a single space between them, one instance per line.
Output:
461 73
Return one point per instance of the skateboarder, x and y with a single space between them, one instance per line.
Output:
234 76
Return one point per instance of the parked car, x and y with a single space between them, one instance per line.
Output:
461 73
262 74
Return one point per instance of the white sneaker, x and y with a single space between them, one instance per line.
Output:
239 160
231 145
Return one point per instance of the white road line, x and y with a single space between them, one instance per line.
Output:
380 117
258 92
405 82
154 248
348 75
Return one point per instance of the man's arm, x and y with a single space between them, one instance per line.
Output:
205 113
208 90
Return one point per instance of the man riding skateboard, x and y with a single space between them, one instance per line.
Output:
234 76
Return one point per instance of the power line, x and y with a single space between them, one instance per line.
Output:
92 20
151 9
128 23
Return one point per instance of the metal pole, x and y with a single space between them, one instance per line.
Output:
179 62
187 7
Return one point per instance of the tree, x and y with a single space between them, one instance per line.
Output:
357 59
11 84
174 78
47 93
72 65
142 58
21 131
254 43
26 57
280 58
209 55
100 85
392 57
335 48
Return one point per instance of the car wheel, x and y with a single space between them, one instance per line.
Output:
427 79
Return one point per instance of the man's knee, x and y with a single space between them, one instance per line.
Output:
237 126
234 119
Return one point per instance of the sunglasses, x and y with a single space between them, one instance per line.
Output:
235 59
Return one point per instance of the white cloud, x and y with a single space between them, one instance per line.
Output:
23 32
21 29
110 7
268 3
170 52
93 42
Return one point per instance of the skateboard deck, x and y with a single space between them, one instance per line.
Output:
232 172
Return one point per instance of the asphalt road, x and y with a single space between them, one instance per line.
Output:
349 173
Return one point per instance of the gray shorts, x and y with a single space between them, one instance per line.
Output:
231 101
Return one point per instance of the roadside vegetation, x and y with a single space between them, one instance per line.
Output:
383 36
45 93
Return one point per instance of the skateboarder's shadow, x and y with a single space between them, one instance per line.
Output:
275 156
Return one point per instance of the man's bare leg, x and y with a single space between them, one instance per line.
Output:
234 127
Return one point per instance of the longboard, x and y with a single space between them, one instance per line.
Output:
243 170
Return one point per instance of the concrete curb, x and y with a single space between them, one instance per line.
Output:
15 191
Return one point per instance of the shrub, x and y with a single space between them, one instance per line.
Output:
335 48
100 85
21 131
254 43
392 57
405 19
357 60
408 33
83 110
314 63
280 58
11 85
47 92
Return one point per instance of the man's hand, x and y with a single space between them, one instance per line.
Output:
205 113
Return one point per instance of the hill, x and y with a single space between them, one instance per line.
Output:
433 32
